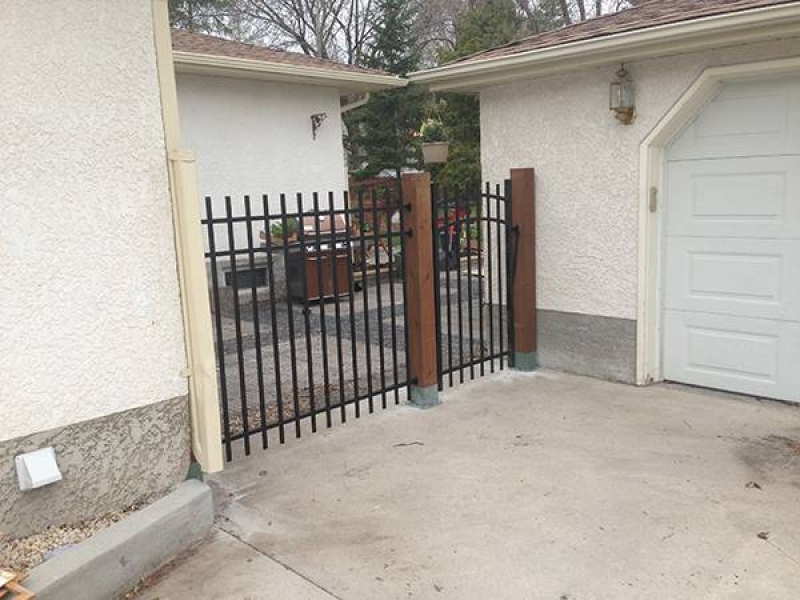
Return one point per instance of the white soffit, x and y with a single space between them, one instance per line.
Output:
242 68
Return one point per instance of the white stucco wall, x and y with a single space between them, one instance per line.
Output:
90 320
587 167
254 138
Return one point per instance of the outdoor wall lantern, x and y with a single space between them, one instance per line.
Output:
316 123
623 97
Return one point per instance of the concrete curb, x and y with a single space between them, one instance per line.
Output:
114 560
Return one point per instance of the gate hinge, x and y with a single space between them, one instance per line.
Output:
653 199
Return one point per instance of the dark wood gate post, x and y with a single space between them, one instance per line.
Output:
523 214
421 310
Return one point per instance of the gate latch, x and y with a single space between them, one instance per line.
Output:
513 233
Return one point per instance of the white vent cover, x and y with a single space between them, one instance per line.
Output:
37 469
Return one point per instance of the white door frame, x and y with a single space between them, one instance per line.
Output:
702 91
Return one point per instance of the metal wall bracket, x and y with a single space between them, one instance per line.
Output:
316 122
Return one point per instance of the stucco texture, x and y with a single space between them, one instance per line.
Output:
90 320
255 138
587 168
108 464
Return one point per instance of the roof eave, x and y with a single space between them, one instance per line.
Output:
242 68
741 27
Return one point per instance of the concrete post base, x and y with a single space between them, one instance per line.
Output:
424 397
526 361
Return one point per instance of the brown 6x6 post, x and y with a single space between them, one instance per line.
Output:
421 309
523 224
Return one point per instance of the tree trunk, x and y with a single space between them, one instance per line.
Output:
530 15
565 12
582 9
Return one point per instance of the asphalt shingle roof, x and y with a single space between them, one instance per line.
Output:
199 43
649 14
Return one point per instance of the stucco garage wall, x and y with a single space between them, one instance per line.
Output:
90 318
587 168
254 137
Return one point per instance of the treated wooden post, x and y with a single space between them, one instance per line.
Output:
523 223
421 310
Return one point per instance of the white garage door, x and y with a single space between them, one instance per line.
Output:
732 244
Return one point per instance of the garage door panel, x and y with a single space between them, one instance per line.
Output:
747 278
751 356
757 118
731 251
744 197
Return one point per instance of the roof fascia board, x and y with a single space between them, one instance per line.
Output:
748 26
242 68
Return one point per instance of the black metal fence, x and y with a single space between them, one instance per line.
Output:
310 304
475 251
309 312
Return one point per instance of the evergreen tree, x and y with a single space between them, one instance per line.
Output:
381 133
394 48
203 16
490 24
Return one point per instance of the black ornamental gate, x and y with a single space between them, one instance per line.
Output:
474 269
310 300
309 312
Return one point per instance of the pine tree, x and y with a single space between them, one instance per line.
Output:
203 16
490 24
381 133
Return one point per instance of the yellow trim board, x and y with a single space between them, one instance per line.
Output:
198 337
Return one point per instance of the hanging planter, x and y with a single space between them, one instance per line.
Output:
435 152
435 148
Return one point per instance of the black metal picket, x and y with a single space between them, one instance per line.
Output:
310 304
283 358
474 252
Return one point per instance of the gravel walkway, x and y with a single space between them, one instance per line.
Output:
253 382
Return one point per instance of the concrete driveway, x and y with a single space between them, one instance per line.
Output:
519 486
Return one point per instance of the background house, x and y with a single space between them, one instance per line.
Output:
264 121
667 248
249 113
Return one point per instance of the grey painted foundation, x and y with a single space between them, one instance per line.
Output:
107 463
602 347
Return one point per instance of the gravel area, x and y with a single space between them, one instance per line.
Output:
244 378
339 379
23 554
